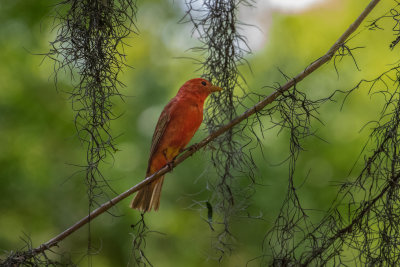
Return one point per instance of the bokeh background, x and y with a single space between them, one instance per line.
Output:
42 191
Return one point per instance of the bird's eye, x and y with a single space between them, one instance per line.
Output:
204 83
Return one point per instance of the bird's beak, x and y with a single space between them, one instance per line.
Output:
215 88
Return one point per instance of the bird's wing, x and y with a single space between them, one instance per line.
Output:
162 124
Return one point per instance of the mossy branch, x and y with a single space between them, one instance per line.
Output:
257 107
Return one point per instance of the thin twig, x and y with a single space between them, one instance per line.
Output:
259 106
349 228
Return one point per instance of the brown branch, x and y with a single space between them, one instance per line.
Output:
259 106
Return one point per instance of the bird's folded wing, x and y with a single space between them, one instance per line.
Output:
162 123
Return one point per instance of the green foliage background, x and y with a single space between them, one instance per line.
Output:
42 192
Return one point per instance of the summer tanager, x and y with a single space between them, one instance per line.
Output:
177 124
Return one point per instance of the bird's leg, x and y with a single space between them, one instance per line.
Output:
170 164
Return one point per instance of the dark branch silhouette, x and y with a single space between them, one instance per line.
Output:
90 44
363 219
223 48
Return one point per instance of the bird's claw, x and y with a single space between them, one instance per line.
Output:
190 148
171 164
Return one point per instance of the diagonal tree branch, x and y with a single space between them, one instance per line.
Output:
259 106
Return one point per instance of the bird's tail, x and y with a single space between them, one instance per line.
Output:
149 196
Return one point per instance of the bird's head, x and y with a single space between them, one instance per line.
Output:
199 86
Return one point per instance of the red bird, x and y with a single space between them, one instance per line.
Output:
177 124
